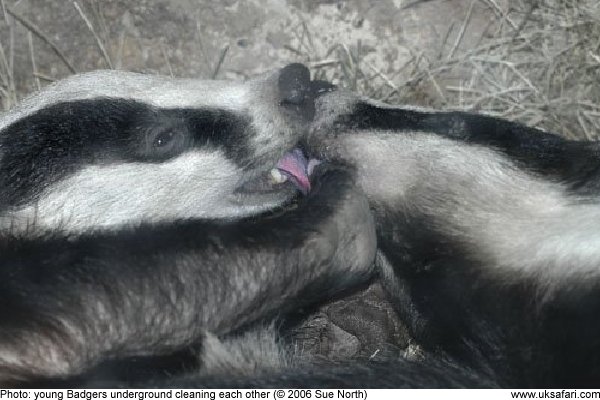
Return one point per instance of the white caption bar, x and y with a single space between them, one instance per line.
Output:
300 394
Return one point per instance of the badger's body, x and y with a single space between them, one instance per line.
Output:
489 231
128 218
139 229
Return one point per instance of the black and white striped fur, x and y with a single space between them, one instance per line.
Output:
487 244
488 233
486 236
138 220
485 231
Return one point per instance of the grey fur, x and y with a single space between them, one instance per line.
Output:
206 181
255 351
142 259
125 276
518 224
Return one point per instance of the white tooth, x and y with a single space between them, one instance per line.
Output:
277 176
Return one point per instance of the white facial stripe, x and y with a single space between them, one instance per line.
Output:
195 185
556 248
518 224
258 99
159 91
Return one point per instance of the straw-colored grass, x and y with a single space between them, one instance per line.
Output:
539 63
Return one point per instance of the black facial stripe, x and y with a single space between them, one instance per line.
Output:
545 153
49 144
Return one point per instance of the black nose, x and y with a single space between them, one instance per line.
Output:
297 92
294 84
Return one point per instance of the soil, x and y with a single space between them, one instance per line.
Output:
187 38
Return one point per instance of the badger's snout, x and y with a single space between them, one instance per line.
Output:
206 148
297 92
294 84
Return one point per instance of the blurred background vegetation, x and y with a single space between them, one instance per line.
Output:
536 61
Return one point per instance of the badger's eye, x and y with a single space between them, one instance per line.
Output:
165 143
163 139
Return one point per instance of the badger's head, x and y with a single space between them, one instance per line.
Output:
109 148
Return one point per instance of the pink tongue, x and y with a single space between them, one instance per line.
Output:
295 165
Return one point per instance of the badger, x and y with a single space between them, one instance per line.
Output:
141 215
486 245
147 220
487 233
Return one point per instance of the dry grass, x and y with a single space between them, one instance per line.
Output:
13 20
539 63
8 92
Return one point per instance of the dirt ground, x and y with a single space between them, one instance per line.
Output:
226 39
536 61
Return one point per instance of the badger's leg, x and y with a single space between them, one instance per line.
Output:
491 232
67 303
